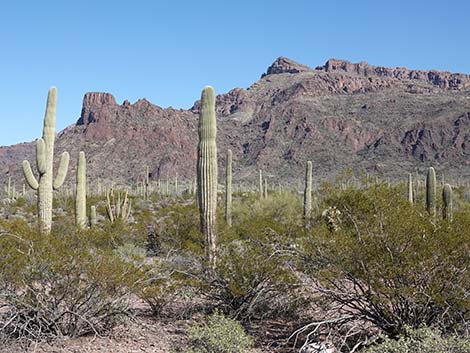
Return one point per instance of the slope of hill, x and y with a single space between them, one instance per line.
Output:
339 115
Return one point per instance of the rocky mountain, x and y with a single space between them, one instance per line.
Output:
340 115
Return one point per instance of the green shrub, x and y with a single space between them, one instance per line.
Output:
422 340
218 334
60 284
389 263
253 277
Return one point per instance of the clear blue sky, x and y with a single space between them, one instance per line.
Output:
167 51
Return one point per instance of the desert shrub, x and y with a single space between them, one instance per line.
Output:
178 228
60 284
253 277
218 334
389 263
422 340
280 209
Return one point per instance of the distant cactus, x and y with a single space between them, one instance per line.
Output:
93 217
265 188
332 217
44 160
431 191
147 183
308 191
261 189
118 208
176 184
228 189
410 188
207 172
80 196
447 201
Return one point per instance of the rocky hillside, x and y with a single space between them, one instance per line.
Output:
375 119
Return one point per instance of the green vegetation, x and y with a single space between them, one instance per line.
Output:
371 267
422 340
218 334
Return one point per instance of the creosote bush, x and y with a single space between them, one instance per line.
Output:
218 334
422 340
60 284
390 263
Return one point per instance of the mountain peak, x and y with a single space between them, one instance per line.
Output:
333 64
285 65
92 101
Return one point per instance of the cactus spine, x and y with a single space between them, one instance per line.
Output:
447 200
431 191
410 188
228 189
308 191
207 172
80 196
44 160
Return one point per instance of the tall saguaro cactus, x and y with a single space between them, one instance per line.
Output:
228 189
308 191
207 172
447 200
44 159
431 191
80 197
410 188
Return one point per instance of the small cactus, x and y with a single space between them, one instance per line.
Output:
447 201
207 172
147 183
308 191
44 159
261 192
228 189
410 188
176 184
118 208
80 196
265 188
431 191
93 217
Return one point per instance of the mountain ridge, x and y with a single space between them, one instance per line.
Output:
339 115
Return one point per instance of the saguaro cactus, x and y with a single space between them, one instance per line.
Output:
431 191
261 191
147 190
176 184
93 217
207 172
265 188
44 160
410 188
228 189
308 191
80 196
447 201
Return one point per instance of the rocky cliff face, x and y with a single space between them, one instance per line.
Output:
375 119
